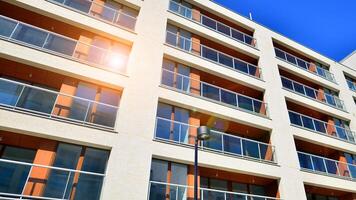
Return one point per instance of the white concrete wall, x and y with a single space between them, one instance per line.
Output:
132 145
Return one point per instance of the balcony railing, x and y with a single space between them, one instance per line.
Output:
18 181
300 63
352 85
321 127
212 92
102 12
162 191
178 132
36 100
41 39
310 92
213 55
327 166
212 24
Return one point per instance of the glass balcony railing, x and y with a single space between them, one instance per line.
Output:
310 92
212 92
212 24
352 85
213 55
300 63
178 132
102 12
18 180
327 166
321 127
52 104
31 36
163 191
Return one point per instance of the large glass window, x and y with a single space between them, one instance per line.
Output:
7 27
30 35
295 118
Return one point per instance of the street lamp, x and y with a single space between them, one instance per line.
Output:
203 134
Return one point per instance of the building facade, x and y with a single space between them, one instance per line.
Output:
102 100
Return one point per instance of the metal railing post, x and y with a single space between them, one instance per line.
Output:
28 177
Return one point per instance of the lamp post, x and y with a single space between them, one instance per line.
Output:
203 134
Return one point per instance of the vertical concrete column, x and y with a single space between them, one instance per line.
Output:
44 156
330 127
190 180
195 81
321 94
128 171
312 67
97 7
83 46
196 45
291 185
193 121
196 14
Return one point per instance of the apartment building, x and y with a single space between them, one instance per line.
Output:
101 99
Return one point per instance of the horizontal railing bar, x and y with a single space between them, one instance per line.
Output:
315 91
244 34
213 190
238 94
50 167
320 121
28 197
58 93
219 132
308 63
201 45
324 158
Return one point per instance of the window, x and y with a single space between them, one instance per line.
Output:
295 118
30 35
7 27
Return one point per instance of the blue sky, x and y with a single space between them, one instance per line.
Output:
326 26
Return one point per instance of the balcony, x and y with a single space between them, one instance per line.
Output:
321 127
43 102
212 24
312 93
330 167
50 42
305 65
220 142
107 14
63 186
213 55
158 191
217 94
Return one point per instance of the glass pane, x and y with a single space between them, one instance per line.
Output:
257 190
167 78
7 27
258 107
223 29
241 66
173 6
318 164
245 103
171 39
298 88
331 167
89 187
252 70
158 191
250 149
95 160
248 40
126 20
101 114
226 60
228 97
60 45
210 92
305 161
209 54
159 170
30 35
287 83
291 59
215 141
78 109
320 126
179 173
232 145
37 100
237 35
280 54
302 64
83 6
310 92
9 92
308 122
164 111
209 22
330 100
295 118
266 152
163 129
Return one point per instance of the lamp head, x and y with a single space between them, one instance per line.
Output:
203 133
